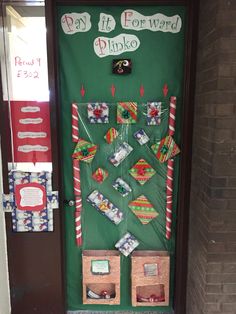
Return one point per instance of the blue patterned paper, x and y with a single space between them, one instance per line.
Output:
34 221
98 112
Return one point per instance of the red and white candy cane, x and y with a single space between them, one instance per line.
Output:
170 171
172 115
169 197
78 229
78 201
75 120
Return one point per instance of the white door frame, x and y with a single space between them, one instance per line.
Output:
4 277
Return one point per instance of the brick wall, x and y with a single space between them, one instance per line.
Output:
212 233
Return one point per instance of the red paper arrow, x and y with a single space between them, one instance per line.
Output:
165 90
113 90
141 91
34 158
82 91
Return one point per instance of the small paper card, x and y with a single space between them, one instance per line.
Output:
100 267
150 270
141 137
120 154
127 244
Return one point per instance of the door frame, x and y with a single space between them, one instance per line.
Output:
192 8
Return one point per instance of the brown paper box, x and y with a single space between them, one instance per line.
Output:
98 283
154 283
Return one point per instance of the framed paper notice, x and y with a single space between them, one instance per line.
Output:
30 196
100 267
150 270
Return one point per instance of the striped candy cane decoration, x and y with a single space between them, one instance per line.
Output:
78 201
172 115
169 197
75 120
170 171
78 230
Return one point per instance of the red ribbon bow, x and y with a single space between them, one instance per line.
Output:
154 112
97 112
141 171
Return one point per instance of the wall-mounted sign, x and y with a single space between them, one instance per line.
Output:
104 46
106 23
75 23
131 19
72 23
30 197
31 131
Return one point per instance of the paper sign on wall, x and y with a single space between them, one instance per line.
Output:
31 131
104 46
31 197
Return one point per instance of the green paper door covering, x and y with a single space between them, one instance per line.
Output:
160 66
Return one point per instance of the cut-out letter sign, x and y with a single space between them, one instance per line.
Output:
104 46
72 23
106 23
131 19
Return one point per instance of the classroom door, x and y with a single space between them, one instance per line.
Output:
122 68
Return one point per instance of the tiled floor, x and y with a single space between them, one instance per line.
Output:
116 312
